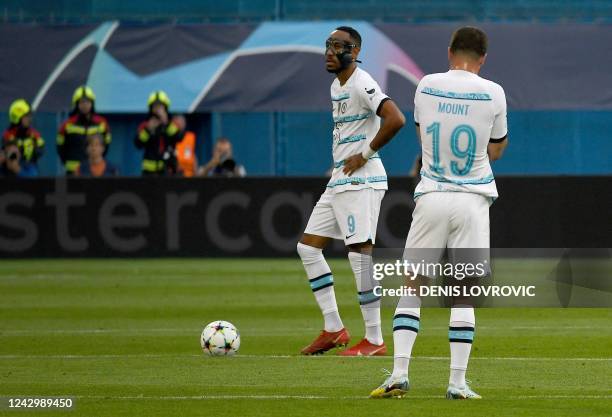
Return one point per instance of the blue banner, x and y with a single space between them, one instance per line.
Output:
278 66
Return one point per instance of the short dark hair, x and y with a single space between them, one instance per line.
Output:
355 36
469 39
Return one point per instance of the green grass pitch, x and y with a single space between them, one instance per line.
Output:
121 337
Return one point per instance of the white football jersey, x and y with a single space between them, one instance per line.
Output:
354 107
458 112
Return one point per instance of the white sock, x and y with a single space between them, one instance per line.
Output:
406 324
322 285
461 336
368 302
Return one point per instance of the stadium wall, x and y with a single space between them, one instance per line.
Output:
265 217
299 144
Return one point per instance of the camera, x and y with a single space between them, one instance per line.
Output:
170 159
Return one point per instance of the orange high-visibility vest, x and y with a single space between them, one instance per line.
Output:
185 153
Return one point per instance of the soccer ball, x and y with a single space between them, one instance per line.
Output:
220 338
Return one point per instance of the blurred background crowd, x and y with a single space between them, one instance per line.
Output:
83 139
202 88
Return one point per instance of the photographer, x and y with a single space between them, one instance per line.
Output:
10 161
222 163
158 136
21 133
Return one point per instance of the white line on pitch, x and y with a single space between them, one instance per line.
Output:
554 396
93 331
220 397
430 358
175 356
312 397
433 358
102 356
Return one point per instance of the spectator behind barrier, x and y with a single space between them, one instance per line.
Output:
158 136
186 150
27 139
10 161
222 163
73 133
96 165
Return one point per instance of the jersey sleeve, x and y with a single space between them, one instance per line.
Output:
500 123
417 100
418 108
371 94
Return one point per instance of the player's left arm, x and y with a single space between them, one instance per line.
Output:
392 121
495 148
499 132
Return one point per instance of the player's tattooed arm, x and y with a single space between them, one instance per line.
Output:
392 121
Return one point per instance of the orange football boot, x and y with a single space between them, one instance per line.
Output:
326 341
365 348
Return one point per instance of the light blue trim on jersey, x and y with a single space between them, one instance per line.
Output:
459 96
349 180
475 181
357 181
352 117
341 163
380 178
353 138
341 97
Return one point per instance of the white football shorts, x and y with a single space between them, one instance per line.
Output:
453 220
351 216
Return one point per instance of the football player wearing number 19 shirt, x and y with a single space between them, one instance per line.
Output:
461 123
